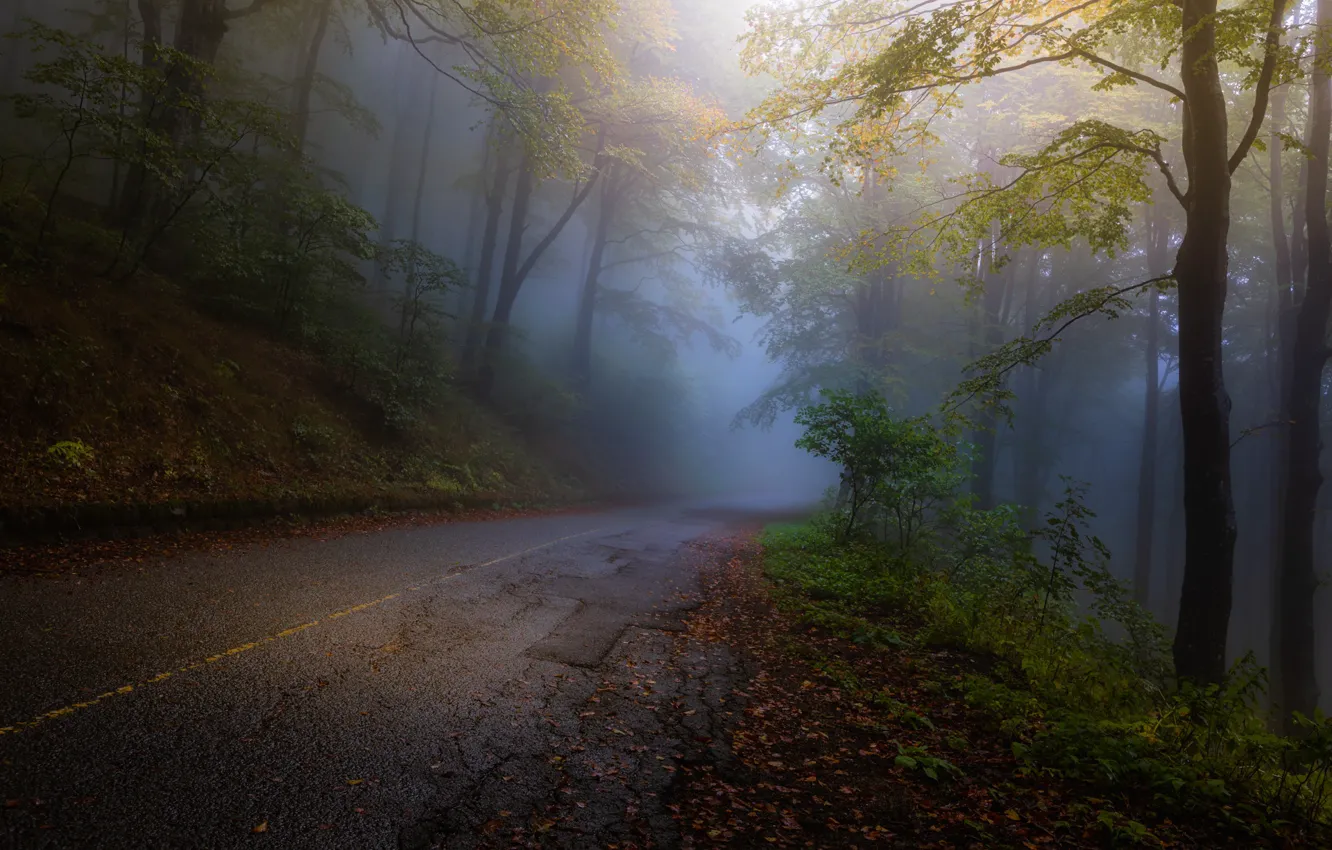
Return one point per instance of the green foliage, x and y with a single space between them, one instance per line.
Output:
184 156
291 248
446 484
1080 676
267 236
71 454
1084 183
80 107
919 759
312 436
896 471
986 382
867 88
423 278
1205 750
983 588
1072 700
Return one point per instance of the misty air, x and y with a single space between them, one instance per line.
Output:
665 424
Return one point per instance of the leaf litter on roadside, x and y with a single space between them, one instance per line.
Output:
844 745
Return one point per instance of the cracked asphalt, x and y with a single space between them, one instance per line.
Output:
459 685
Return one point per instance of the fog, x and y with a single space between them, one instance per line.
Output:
740 274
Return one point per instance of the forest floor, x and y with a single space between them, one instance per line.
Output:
135 394
844 742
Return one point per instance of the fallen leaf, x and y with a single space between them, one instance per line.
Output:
263 827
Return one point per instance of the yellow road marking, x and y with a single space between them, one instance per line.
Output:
246 647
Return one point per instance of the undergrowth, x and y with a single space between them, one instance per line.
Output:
1072 675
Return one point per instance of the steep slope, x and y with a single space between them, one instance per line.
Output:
134 396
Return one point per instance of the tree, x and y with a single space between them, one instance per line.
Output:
1158 252
904 68
80 97
200 29
831 321
516 266
498 172
426 277
653 211
309 70
1309 353
900 469
525 60
856 432
1277 353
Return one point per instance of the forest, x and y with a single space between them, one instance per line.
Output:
1033 294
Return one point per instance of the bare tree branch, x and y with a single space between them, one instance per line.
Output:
1263 88
1128 72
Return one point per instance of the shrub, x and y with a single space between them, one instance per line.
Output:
895 472
1080 674
71 454
312 436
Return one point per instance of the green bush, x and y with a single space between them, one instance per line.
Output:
1074 701
895 472
71 454
312 436
1080 676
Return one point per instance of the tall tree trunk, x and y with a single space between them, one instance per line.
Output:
513 274
423 164
1157 264
877 314
495 193
410 296
509 284
309 69
986 433
401 174
1174 542
1031 455
587 301
200 29
1279 336
1200 270
877 311
476 223
132 191
121 106
1309 353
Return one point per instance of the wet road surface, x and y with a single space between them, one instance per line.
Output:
457 685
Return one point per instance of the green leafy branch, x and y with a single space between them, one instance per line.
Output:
986 383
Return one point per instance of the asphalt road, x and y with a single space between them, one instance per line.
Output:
455 685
